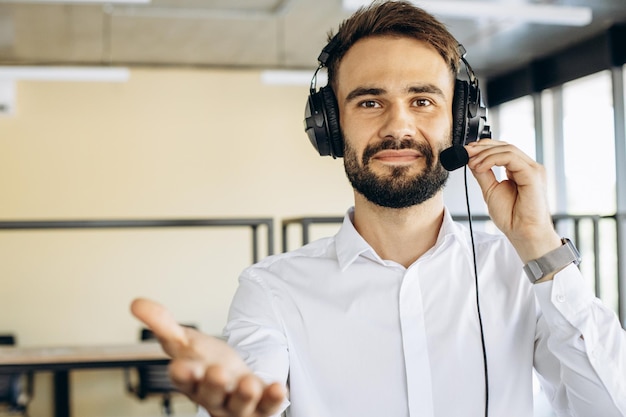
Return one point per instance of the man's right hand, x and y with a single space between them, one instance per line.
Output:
207 370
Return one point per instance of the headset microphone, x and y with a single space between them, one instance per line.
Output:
454 157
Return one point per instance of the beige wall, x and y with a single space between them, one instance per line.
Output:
169 143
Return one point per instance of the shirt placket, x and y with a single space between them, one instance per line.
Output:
415 346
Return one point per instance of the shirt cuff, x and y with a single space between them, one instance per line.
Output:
567 295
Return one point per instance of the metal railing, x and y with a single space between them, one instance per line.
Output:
600 238
252 223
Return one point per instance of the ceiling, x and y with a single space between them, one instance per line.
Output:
265 34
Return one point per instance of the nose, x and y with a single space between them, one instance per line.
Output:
399 123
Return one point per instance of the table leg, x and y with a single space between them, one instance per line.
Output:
61 394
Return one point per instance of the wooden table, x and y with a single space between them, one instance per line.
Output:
62 359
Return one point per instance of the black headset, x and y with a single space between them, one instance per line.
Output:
321 115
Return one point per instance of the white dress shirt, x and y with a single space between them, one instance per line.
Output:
356 335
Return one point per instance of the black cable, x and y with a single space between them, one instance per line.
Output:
480 319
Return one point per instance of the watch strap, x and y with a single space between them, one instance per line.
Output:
553 261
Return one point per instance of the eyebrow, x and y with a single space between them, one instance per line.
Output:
426 88
422 88
362 91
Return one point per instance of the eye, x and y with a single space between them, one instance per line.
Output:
370 104
423 102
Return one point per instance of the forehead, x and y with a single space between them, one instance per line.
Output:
391 62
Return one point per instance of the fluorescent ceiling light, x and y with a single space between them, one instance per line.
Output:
79 1
288 77
526 12
104 74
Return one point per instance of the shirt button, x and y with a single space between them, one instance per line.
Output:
560 298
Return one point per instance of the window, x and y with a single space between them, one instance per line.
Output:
589 145
589 171
516 124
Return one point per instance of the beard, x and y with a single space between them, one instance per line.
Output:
396 189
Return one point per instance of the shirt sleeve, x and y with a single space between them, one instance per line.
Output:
580 349
255 330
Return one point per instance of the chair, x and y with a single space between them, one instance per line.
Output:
16 388
152 379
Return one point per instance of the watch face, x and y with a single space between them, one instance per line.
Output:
575 254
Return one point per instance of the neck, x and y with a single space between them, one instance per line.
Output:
399 235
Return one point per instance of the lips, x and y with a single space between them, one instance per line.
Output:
397 155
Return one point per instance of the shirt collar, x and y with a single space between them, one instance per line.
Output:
350 244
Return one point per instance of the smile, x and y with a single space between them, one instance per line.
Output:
400 156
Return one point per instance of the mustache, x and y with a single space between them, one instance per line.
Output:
394 144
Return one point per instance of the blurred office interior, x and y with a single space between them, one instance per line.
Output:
176 111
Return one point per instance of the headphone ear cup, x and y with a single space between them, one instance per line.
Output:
460 112
321 123
315 124
335 137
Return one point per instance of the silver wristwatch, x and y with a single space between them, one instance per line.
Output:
552 261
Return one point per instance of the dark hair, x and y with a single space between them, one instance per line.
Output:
396 18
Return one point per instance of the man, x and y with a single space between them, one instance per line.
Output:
381 319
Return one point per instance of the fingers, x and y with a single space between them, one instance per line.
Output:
520 168
487 153
253 398
161 322
246 397
486 180
214 389
273 397
221 396
186 375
